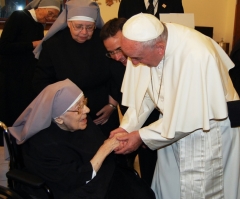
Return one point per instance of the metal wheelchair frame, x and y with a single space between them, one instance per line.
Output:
16 173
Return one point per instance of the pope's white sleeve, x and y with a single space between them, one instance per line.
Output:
133 122
151 136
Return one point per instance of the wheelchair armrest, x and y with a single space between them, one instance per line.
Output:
25 178
29 179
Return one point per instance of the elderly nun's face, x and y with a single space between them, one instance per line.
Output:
81 31
75 118
45 15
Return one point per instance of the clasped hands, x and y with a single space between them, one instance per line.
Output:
128 142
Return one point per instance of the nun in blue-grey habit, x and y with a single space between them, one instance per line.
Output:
61 144
72 49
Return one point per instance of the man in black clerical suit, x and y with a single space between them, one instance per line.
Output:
234 107
128 8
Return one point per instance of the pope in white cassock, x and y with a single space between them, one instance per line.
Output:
184 74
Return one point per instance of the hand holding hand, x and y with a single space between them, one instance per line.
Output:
111 143
107 147
118 130
131 142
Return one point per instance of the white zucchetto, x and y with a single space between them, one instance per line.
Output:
142 27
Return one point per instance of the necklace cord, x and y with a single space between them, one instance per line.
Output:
159 91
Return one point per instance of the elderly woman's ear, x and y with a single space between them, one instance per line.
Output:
58 120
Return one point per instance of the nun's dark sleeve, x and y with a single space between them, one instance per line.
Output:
62 159
56 165
18 33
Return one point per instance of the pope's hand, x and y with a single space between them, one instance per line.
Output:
130 142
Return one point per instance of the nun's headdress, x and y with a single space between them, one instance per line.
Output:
53 101
43 4
85 10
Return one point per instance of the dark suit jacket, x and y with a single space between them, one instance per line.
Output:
234 107
128 8
235 52
235 72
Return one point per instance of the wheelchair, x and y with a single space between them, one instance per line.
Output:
28 185
17 176
8 193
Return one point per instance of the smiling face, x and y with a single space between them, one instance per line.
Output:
113 44
81 31
75 118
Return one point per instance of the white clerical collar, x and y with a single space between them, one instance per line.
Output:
32 12
160 65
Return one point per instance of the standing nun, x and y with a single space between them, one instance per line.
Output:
72 49
22 32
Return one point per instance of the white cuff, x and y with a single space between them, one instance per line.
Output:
93 175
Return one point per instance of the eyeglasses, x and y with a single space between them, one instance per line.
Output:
80 107
79 27
51 15
111 53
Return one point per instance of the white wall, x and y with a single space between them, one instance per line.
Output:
215 13
218 14
108 12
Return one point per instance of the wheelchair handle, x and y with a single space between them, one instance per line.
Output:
3 126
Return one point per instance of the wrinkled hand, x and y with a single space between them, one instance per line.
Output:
105 149
118 130
36 43
130 142
112 143
104 113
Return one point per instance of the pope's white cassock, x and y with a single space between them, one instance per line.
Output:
198 151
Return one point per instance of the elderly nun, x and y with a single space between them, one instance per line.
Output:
72 49
22 32
64 147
